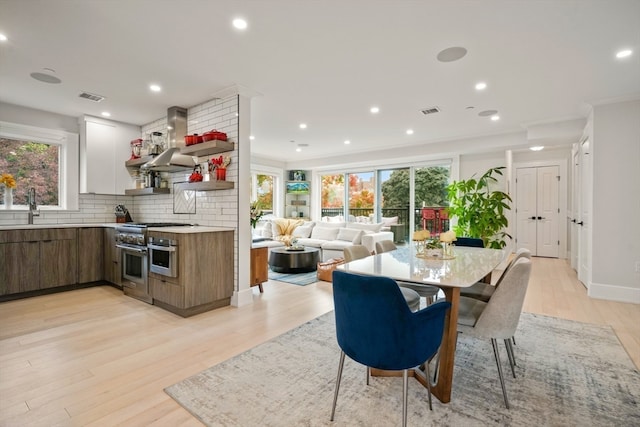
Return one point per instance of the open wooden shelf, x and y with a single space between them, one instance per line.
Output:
146 191
206 185
207 148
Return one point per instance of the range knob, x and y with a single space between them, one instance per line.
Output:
140 240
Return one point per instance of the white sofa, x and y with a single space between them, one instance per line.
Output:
330 237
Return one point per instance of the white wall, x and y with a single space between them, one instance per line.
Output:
616 201
44 119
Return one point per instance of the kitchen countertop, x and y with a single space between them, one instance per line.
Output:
190 229
45 226
177 230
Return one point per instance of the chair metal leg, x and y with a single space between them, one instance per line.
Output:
335 395
405 395
429 385
368 373
494 343
512 358
513 338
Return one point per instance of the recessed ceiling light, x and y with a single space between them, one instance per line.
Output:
3 38
240 23
303 125
624 53
251 137
409 131
487 113
495 118
481 86
347 142
374 110
536 147
298 149
451 54
106 114
155 88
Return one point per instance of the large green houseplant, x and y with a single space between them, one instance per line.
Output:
480 211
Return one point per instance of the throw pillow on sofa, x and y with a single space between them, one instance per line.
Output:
303 231
324 233
350 235
367 228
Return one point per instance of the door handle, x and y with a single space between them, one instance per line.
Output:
581 223
533 218
573 221
541 217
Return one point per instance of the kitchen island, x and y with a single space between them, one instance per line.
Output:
204 264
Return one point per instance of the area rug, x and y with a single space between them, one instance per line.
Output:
569 374
300 279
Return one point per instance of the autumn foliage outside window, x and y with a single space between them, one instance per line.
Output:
32 164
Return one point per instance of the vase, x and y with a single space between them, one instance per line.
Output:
8 197
221 174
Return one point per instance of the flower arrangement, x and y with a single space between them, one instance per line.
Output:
256 213
8 180
437 247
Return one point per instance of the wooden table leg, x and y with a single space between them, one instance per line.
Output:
444 384
442 388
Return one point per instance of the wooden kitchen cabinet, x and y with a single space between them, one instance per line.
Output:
205 277
111 258
34 259
259 267
58 258
19 267
90 255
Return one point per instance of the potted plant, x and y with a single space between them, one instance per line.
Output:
480 211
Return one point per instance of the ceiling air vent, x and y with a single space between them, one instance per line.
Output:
91 96
431 110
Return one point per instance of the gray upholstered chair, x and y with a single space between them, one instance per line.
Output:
498 318
385 246
354 252
429 292
483 291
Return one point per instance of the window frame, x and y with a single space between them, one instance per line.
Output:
69 161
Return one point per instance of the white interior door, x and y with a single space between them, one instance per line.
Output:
584 220
547 239
526 209
575 209
537 210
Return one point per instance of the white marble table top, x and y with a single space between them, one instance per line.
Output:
468 267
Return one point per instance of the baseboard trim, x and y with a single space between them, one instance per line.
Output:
614 293
242 297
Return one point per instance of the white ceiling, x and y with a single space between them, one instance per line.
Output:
325 63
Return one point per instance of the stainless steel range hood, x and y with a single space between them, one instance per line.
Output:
171 160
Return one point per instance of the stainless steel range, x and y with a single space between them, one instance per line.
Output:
132 239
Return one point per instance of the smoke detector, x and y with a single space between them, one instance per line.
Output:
431 110
91 96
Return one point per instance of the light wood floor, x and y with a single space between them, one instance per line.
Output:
95 357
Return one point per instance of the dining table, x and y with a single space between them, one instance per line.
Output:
464 267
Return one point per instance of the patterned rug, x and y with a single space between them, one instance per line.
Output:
569 374
300 279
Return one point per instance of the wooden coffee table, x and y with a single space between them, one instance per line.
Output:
283 260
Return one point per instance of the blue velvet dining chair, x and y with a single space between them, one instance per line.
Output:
472 242
375 327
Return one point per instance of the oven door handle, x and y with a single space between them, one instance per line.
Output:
130 249
162 248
